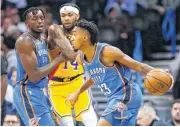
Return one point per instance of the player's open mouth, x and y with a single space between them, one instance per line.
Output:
40 27
75 50
67 24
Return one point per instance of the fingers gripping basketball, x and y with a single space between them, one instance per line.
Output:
158 81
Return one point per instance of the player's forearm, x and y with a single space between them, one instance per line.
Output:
3 87
42 72
144 68
85 86
66 48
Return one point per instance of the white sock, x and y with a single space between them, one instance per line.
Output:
89 117
67 121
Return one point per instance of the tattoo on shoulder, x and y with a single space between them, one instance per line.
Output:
56 32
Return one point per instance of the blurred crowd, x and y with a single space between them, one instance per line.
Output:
121 23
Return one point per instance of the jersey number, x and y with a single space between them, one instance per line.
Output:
105 89
73 64
44 59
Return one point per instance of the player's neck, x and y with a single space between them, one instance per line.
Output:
89 51
34 34
67 31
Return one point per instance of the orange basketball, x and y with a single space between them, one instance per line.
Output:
158 82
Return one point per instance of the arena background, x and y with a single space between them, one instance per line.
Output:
147 30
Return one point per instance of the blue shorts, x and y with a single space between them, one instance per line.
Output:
132 103
30 103
129 118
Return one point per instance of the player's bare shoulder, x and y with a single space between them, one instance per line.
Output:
111 53
23 43
108 50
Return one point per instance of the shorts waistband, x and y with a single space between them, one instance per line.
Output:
65 79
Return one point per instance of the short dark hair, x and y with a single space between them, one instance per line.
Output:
70 4
33 10
175 101
91 28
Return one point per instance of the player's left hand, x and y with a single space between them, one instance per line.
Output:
72 98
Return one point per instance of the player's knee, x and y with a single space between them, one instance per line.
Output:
89 117
67 121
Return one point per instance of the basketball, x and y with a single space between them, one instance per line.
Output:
158 81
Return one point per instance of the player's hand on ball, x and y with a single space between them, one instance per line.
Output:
171 78
158 81
166 70
72 98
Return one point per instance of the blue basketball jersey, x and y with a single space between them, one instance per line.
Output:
42 60
111 80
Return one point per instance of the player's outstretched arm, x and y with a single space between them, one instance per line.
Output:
26 52
56 39
114 54
72 98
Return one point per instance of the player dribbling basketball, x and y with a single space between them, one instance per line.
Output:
109 68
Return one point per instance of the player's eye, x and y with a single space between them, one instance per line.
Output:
70 14
42 18
34 18
74 34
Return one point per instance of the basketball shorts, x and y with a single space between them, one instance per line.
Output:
59 93
122 110
32 103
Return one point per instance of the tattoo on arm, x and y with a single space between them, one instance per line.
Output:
57 37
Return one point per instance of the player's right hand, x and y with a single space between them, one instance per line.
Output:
62 58
33 122
72 98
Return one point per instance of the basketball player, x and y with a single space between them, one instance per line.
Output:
33 68
109 68
68 76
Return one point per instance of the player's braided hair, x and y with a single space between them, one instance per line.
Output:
34 11
91 28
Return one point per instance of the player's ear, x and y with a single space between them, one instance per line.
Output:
77 17
26 22
27 25
85 38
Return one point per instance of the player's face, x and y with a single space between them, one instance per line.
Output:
78 37
36 21
11 120
143 119
175 112
68 19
